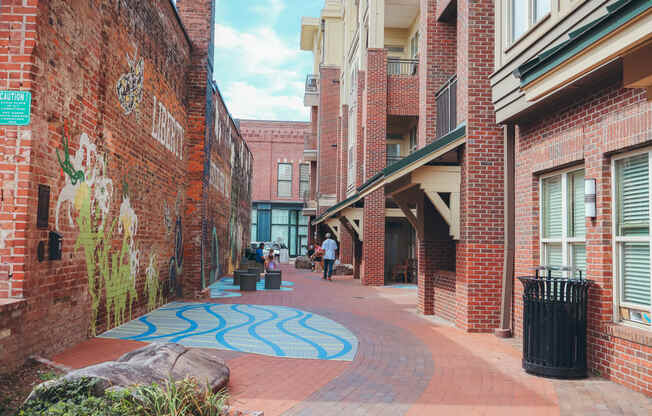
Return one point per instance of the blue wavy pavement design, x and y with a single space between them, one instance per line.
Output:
278 331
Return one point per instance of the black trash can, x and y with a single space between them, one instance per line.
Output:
237 274
248 282
273 280
554 326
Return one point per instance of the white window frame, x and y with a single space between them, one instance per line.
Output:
279 180
565 241
352 141
531 22
617 240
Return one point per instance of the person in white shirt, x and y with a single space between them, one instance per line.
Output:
329 246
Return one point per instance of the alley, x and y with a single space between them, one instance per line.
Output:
406 364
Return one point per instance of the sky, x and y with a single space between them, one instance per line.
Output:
259 66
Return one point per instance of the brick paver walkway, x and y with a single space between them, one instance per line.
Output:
406 364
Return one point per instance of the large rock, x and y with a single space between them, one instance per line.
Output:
155 363
303 262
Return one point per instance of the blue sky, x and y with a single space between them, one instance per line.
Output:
258 64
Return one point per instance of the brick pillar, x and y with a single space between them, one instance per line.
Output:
375 138
426 275
437 63
197 17
343 147
360 131
346 246
17 208
481 245
329 112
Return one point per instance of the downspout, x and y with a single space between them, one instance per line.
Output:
321 85
505 329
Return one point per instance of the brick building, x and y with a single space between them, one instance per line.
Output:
129 185
281 181
573 90
401 105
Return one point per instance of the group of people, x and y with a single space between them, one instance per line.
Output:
270 263
323 257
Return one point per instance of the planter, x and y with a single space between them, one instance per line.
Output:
273 281
248 282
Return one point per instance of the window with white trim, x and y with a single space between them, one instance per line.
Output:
632 237
304 180
523 14
285 180
353 113
563 223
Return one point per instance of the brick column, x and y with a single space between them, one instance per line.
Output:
373 248
346 246
343 147
426 276
437 63
375 138
481 246
360 131
329 112
197 17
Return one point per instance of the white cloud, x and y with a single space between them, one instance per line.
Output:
270 8
267 78
249 102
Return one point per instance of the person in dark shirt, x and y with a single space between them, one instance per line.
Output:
311 251
259 254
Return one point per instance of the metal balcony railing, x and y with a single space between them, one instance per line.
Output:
390 160
312 84
402 66
447 107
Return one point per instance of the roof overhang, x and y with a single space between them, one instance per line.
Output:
404 167
309 28
626 27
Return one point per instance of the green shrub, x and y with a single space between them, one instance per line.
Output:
75 398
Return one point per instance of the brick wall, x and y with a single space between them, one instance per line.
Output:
480 249
403 95
360 130
119 110
610 120
274 142
329 112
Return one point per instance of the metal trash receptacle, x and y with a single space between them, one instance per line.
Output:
248 282
555 325
273 280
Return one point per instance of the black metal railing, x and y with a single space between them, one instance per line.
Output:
447 107
402 66
312 83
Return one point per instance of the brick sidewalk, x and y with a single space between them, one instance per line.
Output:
406 365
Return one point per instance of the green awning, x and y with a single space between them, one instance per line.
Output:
618 14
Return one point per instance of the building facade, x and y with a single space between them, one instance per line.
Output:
409 157
573 90
281 182
128 184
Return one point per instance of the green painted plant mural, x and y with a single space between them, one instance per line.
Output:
88 192
153 285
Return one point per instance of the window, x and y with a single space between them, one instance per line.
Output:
285 180
254 224
414 139
304 181
290 229
632 237
414 46
393 153
563 223
353 114
447 107
525 14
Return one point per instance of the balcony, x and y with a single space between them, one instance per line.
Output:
447 107
402 87
311 97
391 159
402 67
309 204
309 147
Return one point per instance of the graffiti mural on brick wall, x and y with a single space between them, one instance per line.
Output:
130 85
166 129
152 284
176 262
87 195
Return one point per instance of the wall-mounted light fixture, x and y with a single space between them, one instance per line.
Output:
589 197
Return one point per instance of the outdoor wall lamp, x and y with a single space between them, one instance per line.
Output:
589 197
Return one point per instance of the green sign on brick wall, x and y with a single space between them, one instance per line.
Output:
15 108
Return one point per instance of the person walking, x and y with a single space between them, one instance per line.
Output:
329 246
